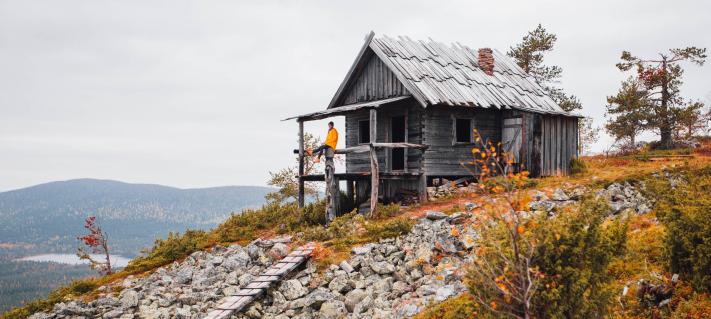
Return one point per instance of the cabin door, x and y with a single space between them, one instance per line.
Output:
397 134
511 138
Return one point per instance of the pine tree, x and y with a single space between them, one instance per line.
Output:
627 112
529 55
690 120
661 79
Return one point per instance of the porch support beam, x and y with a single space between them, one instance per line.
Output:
374 178
301 164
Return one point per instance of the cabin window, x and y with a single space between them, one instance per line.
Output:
364 132
463 130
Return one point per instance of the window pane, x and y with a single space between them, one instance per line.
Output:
464 130
363 131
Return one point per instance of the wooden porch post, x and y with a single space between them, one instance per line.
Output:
422 187
374 178
301 164
373 125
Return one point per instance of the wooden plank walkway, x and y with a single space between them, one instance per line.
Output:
257 287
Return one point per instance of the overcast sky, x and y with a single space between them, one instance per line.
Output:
190 94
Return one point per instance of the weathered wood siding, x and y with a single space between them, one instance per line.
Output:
559 144
413 112
528 157
444 157
374 82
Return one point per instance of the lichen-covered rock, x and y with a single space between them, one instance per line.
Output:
382 267
129 298
332 309
292 289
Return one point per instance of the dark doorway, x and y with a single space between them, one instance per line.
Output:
398 132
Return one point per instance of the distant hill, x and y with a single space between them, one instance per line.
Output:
48 217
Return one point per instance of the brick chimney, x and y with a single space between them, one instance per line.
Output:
486 60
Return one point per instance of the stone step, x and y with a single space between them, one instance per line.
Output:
257 287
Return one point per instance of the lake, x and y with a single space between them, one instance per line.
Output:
71 259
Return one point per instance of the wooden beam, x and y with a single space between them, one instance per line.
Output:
336 194
346 109
374 181
373 125
301 164
331 196
366 147
422 188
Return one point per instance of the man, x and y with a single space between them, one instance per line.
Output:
329 146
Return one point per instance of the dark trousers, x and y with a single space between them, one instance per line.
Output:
319 150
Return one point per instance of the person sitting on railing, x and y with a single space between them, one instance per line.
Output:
329 146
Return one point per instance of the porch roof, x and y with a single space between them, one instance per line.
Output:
345 109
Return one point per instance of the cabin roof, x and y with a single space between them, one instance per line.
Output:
436 73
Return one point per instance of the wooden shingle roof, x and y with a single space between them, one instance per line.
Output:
436 73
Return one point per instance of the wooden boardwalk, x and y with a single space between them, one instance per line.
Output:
255 289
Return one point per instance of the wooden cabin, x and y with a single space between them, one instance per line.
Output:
410 109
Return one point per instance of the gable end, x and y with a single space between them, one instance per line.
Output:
374 82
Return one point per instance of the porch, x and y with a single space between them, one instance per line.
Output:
363 184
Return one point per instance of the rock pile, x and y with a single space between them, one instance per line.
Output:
620 196
186 289
393 278
624 196
559 198
448 188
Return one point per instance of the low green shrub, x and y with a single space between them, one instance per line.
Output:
173 247
575 251
684 207
386 211
577 166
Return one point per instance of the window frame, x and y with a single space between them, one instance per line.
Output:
455 139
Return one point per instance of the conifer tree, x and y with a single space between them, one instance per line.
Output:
690 120
627 112
529 55
661 79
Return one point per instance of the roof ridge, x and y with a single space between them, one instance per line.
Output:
437 72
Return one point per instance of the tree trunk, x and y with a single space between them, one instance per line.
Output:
665 129
105 246
666 141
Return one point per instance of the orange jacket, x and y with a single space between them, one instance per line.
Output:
332 138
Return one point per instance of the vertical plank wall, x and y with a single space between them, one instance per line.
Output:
559 144
375 82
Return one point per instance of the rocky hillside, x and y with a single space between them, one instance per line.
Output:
393 278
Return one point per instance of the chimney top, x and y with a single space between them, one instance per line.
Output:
486 60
